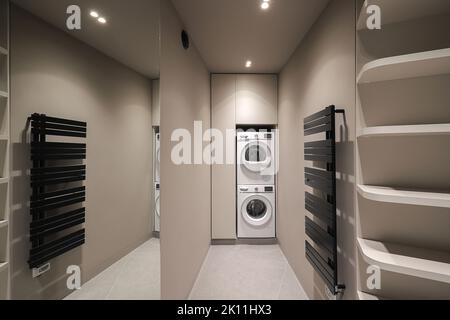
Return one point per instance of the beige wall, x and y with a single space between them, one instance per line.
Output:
53 73
320 73
185 190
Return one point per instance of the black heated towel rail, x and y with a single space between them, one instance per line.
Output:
57 175
321 203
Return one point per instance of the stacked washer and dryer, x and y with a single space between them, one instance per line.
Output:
156 162
256 195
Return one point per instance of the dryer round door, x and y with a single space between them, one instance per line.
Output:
257 210
256 156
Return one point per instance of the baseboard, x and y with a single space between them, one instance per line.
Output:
233 242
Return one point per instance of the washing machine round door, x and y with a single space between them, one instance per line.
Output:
256 156
257 210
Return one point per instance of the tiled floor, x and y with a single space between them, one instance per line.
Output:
247 272
134 277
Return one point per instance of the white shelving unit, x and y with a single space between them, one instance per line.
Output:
367 296
4 151
424 60
421 263
395 11
396 131
409 197
413 65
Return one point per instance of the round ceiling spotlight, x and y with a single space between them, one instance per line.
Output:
102 20
185 39
248 64
265 4
94 14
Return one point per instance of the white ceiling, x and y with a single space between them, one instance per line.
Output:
131 35
228 32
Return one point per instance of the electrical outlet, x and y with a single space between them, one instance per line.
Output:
41 270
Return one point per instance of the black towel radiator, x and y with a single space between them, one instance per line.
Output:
322 202
56 176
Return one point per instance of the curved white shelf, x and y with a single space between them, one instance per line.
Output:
416 130
414 65
3 266
4 180
367 296
3 223
405 10
421 263
3 51
4 94
391 195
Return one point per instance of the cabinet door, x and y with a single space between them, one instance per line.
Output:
223 95
257 99
156 109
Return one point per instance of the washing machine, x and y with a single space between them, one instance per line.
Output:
256 216
157 208
157 157
256 158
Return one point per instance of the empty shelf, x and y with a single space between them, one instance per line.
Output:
3 223
4 180
367 296
428 129
3 266
3 51
421 263
414 65
3 94
420 198
404 10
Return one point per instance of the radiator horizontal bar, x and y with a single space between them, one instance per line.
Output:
321 266
54 200
48 176
319 144
326 112
58 156
47 195
319 208
56 248
58 151
320 173
318 122
44 118
57 169
47 125
323 128
327 159
59 133
315 183
57 181
41 222
319 236
319 151
58 205
58 145
57 226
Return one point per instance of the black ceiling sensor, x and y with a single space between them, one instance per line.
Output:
185 39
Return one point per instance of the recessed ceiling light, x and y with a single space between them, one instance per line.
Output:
265 5
94 14
248 64
101 20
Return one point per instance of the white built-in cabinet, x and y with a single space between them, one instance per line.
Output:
156 109
236 100
256 99
4 150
